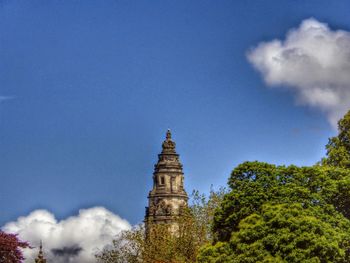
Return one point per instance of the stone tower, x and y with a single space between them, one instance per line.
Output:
168 197
40 258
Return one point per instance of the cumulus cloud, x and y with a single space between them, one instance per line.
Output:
73 240
314 61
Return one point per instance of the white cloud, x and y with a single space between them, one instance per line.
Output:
313 61
73 240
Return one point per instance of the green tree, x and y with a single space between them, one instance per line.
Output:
338 147
285 233
203 209
321 193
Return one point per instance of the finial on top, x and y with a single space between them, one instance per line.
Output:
168 134
41 249
168 145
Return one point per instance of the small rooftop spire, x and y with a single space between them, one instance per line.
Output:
168 145
168 135
40 258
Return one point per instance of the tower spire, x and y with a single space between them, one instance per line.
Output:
40 258
168 145
168 135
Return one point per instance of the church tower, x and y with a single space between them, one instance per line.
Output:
40 258
168 197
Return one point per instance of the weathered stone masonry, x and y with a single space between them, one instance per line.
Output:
168 196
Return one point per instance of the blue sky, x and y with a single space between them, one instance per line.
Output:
88 89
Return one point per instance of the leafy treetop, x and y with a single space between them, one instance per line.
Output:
282 214
338 147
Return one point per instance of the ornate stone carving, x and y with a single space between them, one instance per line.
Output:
161 208
169 209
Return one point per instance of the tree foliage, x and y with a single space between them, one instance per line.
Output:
284 233
338 147
10 248
273 213
161 244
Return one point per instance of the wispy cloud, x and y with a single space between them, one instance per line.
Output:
75 239
314 61
5 98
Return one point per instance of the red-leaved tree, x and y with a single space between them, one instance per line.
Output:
10 248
